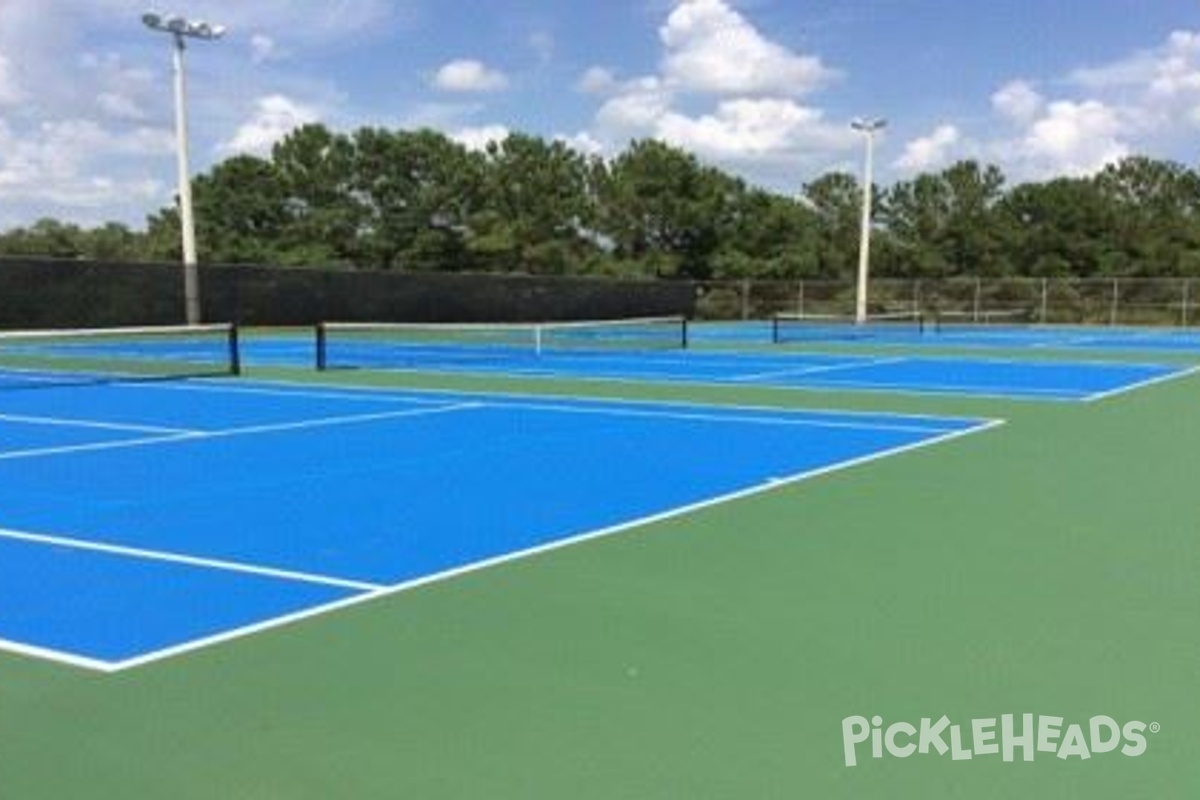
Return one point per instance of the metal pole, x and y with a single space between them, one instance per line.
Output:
864 245
1115 302
187 222
179 28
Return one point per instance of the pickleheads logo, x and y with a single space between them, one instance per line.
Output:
1027 734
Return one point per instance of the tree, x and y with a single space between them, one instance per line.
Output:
241 213
1157 208
660 207
836 198
416 192
945 224
324 219
539 207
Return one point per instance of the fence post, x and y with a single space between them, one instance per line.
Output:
1187 301
745 299
800 297
1043 314
1116 302
977 305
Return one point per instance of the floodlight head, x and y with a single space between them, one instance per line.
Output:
868 125
179 26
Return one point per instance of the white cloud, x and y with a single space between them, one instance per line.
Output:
584 143
469 75
479 138
931 152
637 108
710 47
275 116
1161 85
76 164
752 128
263 48
1074 138
597 80
1017 101
725 92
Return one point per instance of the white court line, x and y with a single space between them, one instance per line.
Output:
40 452
194 436
57 656
67 422
787 373
191 561
1170 376
765 486
326 422
328 390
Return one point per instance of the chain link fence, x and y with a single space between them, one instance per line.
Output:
1101 301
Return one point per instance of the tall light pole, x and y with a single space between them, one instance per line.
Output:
180 29
868 127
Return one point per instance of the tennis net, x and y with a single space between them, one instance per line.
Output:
382 345
844 327
982 317
29 359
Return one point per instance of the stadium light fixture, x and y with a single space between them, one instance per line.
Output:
180 29
867 127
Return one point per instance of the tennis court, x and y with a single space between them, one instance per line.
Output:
654 352
221 570
200 511
980 334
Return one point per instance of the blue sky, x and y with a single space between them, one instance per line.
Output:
762 88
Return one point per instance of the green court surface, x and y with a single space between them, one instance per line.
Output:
1048 566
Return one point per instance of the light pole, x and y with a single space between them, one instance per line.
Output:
868 127
179 29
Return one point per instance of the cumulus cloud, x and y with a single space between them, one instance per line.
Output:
637 108
1161 85
752 128
75 163
597 80
1074 138
724 91
478 138
710 47
1017 101
932 152
275 116
469 75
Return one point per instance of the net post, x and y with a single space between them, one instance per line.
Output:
320 345
235 350
775 329
537 340
683 332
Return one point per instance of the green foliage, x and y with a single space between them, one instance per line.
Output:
416 200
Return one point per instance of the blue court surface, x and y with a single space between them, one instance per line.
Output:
1115 338
143 520
901 372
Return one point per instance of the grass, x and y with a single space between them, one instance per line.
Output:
1047 566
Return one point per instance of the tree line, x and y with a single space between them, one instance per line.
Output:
419 201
